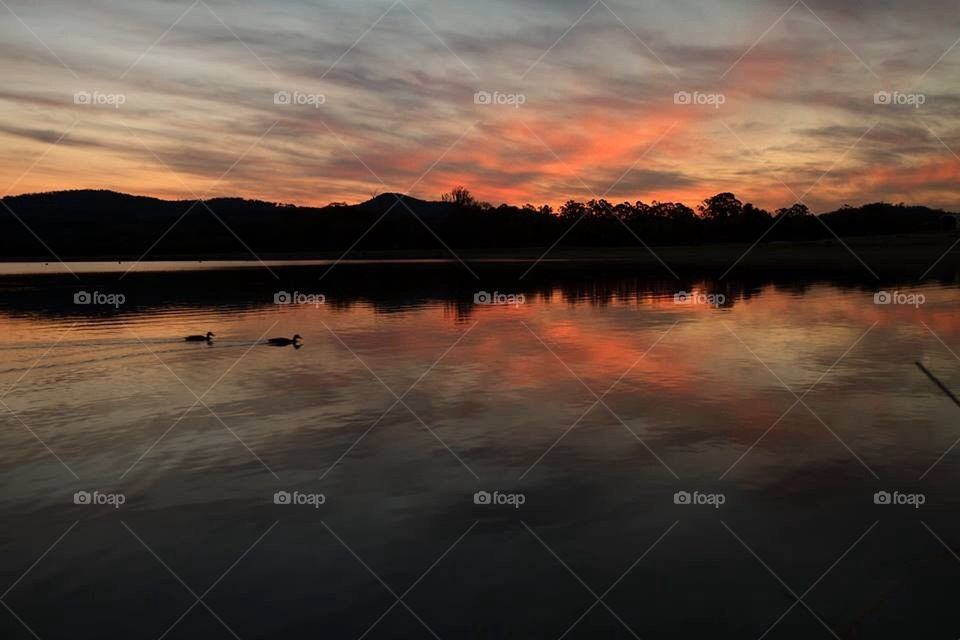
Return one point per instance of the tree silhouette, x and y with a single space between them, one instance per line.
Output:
797 210
459 196
722 206
573 210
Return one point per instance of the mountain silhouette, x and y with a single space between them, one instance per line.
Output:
107 224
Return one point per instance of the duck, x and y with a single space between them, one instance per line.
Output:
284 342
206 338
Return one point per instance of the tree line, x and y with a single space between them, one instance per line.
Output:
720 218
93 223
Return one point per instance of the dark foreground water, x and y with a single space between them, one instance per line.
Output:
663 469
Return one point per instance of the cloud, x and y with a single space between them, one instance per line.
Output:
399 92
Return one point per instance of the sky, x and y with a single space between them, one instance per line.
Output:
828 102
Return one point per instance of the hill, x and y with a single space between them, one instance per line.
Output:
110 225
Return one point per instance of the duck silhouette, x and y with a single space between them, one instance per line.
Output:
206 338
286 342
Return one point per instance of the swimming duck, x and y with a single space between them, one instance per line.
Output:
284 342
206 338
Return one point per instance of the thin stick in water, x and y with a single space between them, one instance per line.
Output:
937 382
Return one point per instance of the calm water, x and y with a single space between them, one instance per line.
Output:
695 398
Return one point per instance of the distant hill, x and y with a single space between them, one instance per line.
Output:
106 224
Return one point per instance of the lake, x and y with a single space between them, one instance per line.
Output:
581 453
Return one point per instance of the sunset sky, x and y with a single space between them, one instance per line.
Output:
184 99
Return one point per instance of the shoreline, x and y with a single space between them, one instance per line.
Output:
878 252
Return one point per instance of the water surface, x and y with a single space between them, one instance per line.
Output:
597 399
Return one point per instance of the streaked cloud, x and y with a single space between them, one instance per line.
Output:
398 82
